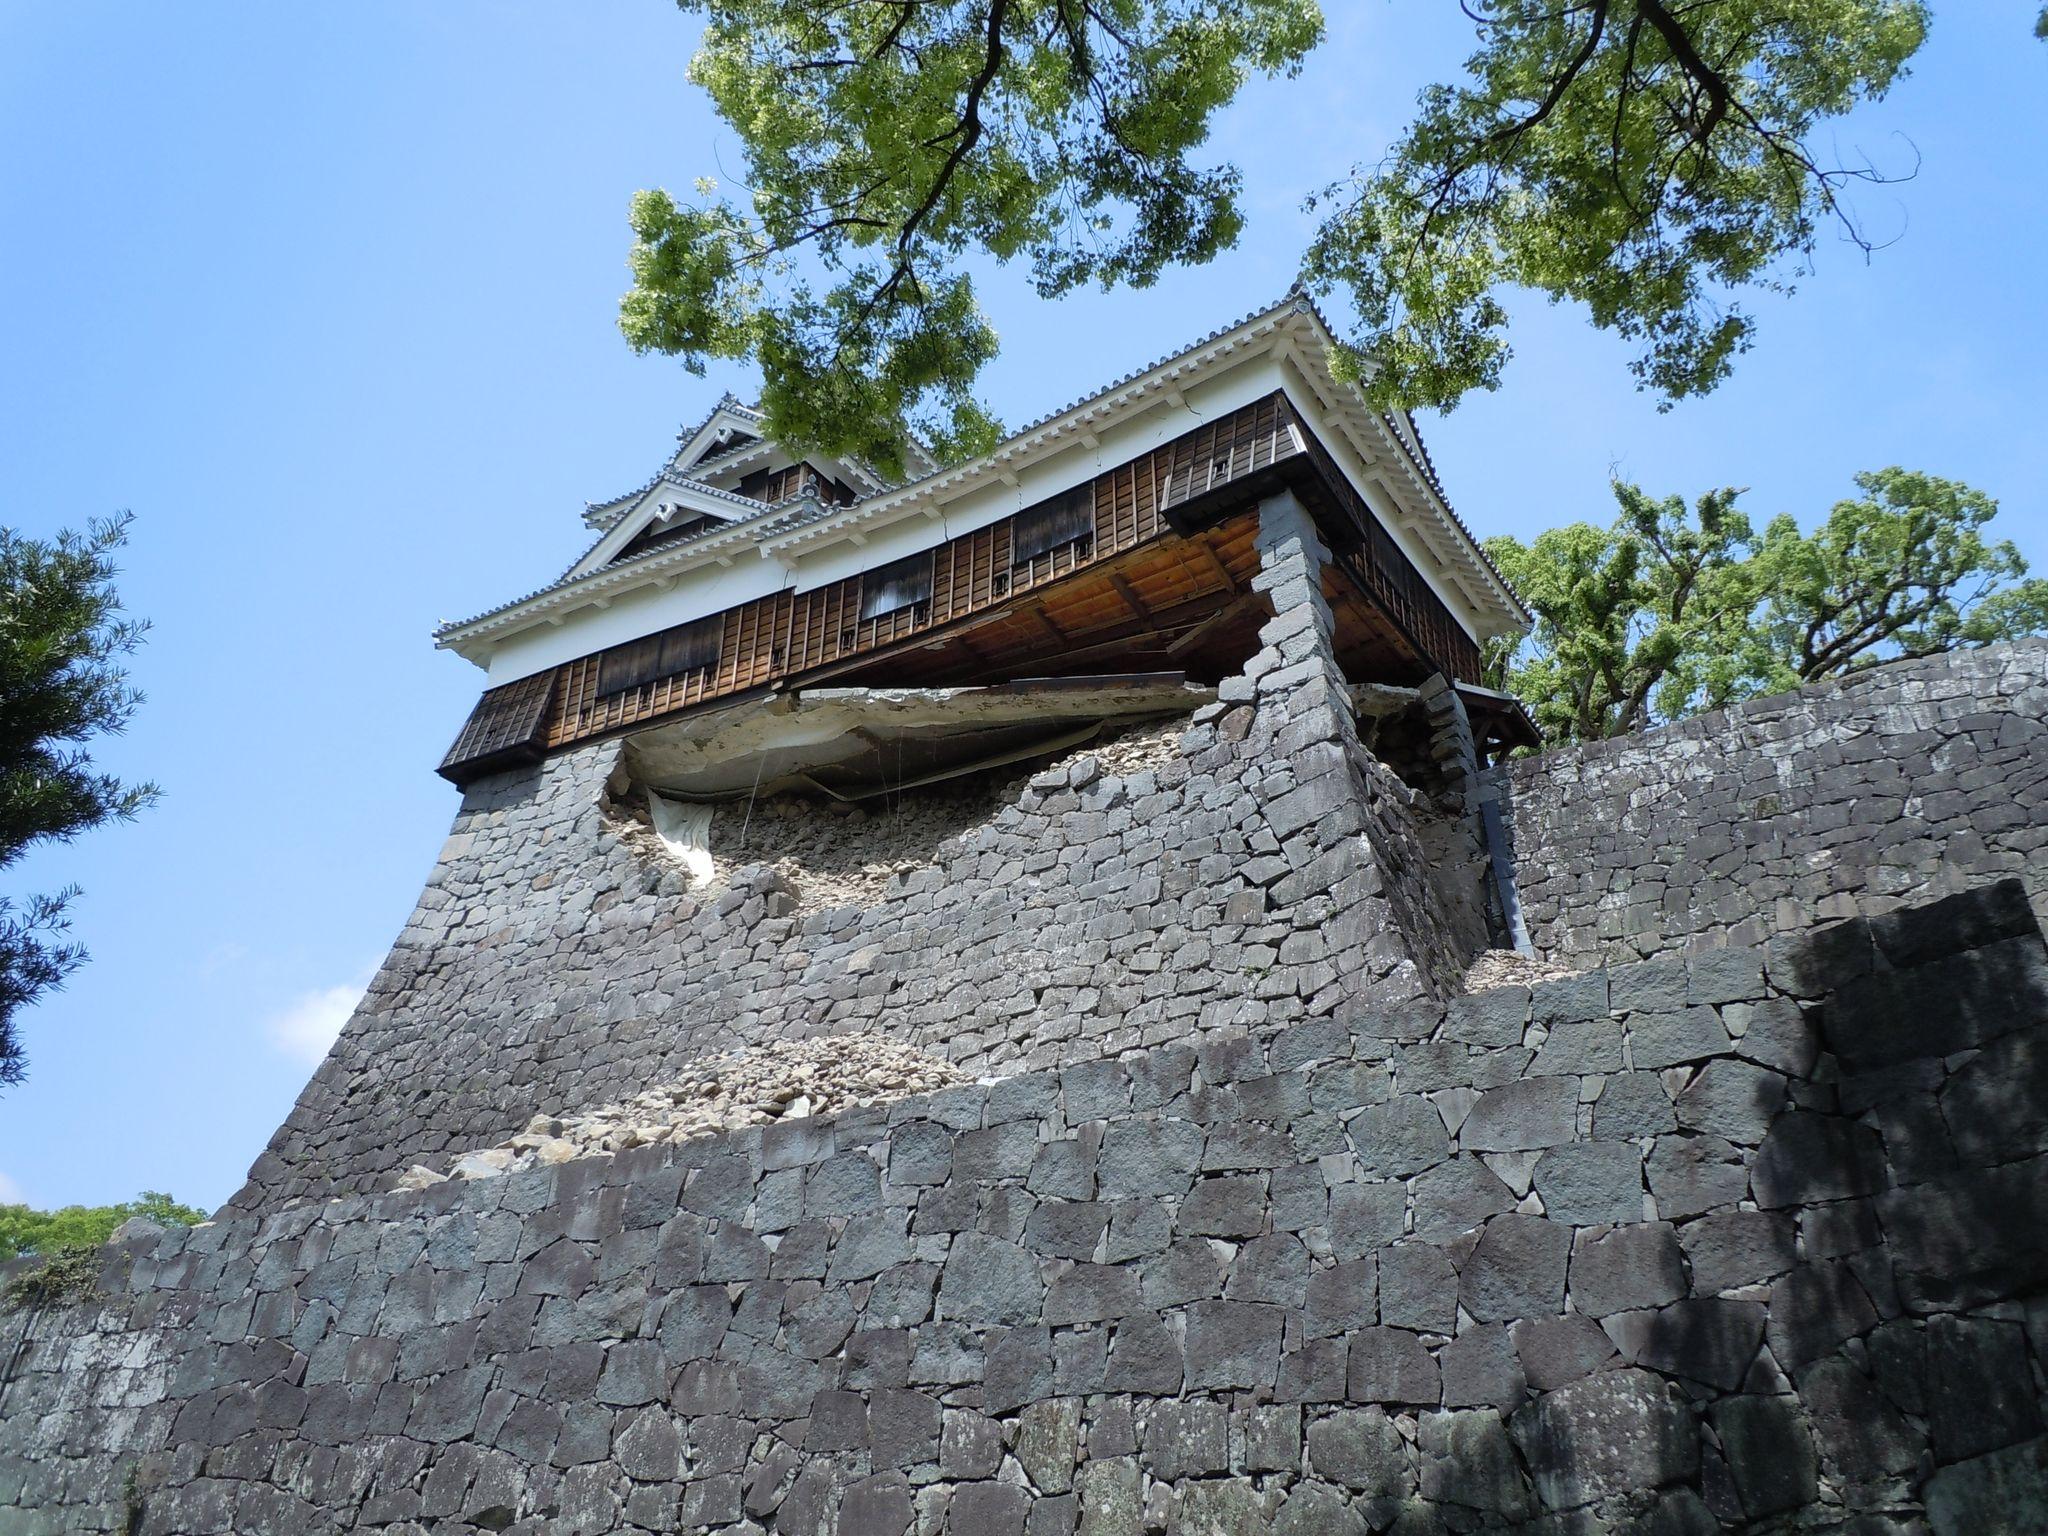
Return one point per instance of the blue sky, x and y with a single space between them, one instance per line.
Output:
326 294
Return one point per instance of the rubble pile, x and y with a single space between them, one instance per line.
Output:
836 853
785 1081
1507 968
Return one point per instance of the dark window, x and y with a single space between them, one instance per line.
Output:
1064 520
899 584
686 648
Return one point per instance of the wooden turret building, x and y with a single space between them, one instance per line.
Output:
1113 539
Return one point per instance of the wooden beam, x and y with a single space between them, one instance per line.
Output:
1216 564
1211 624
1037 611
1130 596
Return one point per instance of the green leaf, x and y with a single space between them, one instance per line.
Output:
1649 161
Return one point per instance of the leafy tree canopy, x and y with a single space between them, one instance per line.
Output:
62 635
26 1231
1648 159
1671 610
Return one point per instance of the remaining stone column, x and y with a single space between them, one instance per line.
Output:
1360 892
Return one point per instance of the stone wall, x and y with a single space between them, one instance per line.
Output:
1756 1241
1891 787
1270 872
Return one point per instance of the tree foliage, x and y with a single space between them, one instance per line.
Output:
62 636
24 1231
886 139
1903 570
1649 159
1632 620
1670 610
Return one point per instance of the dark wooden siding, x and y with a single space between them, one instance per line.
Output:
507 727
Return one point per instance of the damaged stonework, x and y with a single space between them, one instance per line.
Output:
792 1081
1424 736
1755 1242
1265 871
835 851
1388 917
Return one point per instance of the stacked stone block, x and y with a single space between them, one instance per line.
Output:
1271 873
1883 790
1751 1241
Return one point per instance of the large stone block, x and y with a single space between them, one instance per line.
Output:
1231 1206
987 1280
1626 1269
1769 1453
1732 1099
1995 1105
1400 1138
1481 1369
1418 1288
1591 1183
1692 1174
1517 1270
1363 1450
1969 1237
1987 914
1342 1297
1535 1113
1457 1196
1615 1433
1980 1387
1730 1249
1940 1007
1862 1434
1390 1365
1232 1344
1557 1350
1810 1158
1710 1340
1316 1509
1469 1463
1813 1310
1659 1040
2004 1491
1148 1157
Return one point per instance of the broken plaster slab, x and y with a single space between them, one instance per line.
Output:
853 741
684 828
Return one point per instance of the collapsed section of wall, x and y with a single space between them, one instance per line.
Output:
1890 787
1268 872
1757 1241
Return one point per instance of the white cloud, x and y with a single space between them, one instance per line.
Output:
307 1026
10 1192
